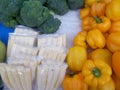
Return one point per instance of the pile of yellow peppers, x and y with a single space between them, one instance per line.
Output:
94 60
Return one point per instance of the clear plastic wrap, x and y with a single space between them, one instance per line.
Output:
52 53
52 73
25 30
21 39
52 39
31 63
4 76
20 49
16 77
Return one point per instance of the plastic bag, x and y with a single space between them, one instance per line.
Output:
25 30
52 73
21 39
19 49
52 39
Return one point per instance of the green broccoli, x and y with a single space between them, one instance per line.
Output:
43 1
9 10
58 6
33 13
75 4
12 23
50 26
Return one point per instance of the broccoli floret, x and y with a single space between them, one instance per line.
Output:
9 9
75 4
50 26
11 23
43 1
58 6
33 13
19 20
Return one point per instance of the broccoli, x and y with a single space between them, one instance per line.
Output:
75 4
50 26
12 23
9 10
58 6
43 1
33 13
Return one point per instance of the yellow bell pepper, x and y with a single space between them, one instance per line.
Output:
113 42
102 23
102 54
88 23
113 10
95 39
108 86
76 57
98 8
96 72
115 27
89 2
84 12
117 82
80 39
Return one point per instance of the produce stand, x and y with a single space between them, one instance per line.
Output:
70 29
60 45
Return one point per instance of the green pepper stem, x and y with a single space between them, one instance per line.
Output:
97 19
98 1
72 74
96 72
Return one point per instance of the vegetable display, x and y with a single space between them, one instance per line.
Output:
36 13
99 36
93 62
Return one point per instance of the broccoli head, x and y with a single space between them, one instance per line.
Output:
9 10
11 23
51 25
33 13
75 4
43 1
10 7
58 6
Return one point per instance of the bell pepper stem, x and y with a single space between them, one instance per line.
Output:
72 74
97 19
96 72
98 1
